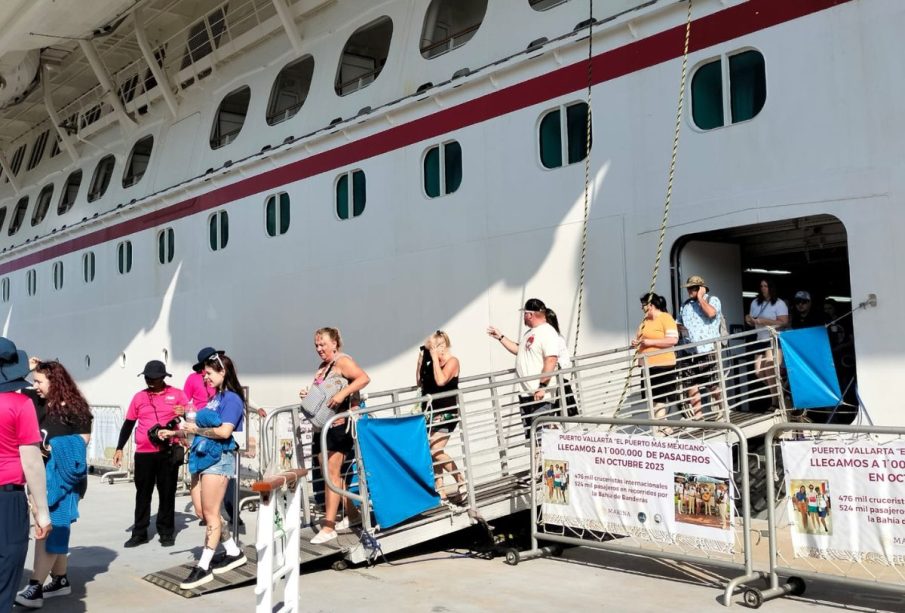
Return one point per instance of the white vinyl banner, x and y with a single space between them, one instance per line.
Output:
654 489
846 500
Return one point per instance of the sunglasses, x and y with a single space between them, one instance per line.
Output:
215 360
800 301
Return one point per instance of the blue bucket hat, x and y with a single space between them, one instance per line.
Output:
13 367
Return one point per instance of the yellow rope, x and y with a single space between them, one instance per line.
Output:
587 180
669 182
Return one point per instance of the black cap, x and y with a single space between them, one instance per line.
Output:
535 304
155 369
203 356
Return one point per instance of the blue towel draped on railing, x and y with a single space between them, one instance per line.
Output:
397 460
809 364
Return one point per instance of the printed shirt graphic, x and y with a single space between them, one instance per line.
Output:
229 407
700 327
537 343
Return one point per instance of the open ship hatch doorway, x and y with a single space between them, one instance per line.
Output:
803 254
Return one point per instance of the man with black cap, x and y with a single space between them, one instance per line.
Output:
153 408
803 316
701 319
20 463
536 353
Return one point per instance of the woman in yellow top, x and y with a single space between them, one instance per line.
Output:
658 331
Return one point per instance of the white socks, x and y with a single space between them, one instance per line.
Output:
206 556
231 548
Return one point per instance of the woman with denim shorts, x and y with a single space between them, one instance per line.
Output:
209 483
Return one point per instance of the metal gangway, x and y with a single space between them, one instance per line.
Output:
490 447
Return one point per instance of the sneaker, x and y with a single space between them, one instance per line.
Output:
32 596
228 562
136 540
323 537
197 577
58 586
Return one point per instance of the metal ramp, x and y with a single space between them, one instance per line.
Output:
490 447
170 578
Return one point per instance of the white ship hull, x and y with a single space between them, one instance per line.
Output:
824 144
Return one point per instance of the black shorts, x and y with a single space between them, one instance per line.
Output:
442 420
337 440
701 370
663 384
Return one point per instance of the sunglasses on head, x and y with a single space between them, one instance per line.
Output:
215 360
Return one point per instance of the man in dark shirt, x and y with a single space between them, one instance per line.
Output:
803 316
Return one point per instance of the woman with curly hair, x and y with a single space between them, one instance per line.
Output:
65 421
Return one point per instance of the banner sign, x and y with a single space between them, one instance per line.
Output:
654 489
846 500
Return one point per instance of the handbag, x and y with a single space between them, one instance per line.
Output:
177 455
314 405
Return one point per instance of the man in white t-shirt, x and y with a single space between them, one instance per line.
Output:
536 353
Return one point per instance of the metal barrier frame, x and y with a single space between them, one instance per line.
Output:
795 584
108 471
744 495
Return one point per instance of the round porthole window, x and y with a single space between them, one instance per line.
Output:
122 360
87 362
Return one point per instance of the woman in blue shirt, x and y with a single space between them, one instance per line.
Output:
209 484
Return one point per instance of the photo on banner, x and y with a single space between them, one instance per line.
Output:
655 489
846 499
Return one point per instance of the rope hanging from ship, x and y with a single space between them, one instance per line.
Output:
587 177
669 183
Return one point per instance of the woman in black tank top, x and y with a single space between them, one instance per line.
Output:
438 372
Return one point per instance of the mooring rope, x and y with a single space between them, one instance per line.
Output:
672 172
587 178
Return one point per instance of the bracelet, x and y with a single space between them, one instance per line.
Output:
500 338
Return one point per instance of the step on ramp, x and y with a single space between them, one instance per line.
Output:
170 578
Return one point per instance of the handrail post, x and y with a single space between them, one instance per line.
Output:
498 420
466 450
649 392
721 380
777 357
362 487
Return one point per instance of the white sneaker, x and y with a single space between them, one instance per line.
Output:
323 537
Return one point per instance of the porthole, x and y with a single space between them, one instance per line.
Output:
351 194
563 135
218 230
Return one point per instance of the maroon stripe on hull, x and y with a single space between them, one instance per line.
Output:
707 31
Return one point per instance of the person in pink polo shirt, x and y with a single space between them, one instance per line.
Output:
196 388
20 463
157 405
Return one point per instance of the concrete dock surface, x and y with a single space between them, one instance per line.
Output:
436 578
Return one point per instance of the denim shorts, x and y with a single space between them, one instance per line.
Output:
226 466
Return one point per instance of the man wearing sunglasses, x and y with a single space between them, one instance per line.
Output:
153 408
699 320
537 353
803 316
